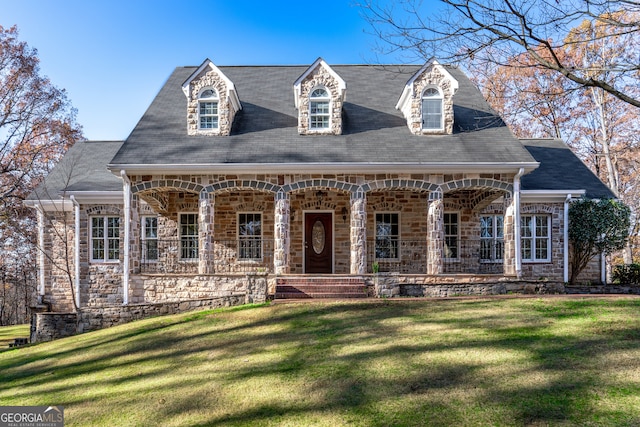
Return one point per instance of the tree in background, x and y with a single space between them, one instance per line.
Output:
493 32
595 227
37 126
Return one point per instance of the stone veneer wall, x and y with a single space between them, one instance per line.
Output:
59 260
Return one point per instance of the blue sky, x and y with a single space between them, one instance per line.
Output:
113 56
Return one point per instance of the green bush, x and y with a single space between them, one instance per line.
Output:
627 274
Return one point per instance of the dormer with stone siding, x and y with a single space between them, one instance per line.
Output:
427 100
212 101
319 94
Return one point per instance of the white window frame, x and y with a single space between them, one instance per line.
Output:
188 237
146 239
434 97
314 114
214 100
105 238
534 238
448 236
495 239
392 237
254 241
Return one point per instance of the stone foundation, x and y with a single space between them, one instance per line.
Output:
389 285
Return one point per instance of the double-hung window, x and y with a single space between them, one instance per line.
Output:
491 238
451 235
149 238
319 109
208 109
105 238
249 236
188 236
535 235
432 109
387 235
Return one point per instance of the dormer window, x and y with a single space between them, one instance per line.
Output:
208 109
319 109
432 109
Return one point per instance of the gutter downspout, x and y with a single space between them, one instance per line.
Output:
566 238
516 226
127 226
76 254
41 256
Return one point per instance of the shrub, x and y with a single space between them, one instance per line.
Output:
627 274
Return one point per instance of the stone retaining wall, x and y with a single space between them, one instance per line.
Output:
50 326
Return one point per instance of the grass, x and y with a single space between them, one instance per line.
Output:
471 362
9 333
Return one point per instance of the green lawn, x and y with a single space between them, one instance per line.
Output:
463 362
9 333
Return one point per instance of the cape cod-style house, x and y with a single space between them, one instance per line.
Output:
370 179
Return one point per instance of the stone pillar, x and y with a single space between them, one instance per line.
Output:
509 235
281 236
134 251
435 233
206 205
358 232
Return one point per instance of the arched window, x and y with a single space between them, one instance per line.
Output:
208 109
432 109
319 109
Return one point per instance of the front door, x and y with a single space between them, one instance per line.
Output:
318 242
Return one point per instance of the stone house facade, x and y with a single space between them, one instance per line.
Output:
239 176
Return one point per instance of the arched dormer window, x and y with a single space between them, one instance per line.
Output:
319 109
208 109
432 109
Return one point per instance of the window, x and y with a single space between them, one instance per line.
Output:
319 109
535 233
188 236
208 109
451 241
149 238
105 238
249 236
387 235
431 109
491 238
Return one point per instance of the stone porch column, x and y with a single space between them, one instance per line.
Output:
358 232
206 204
435 232
509 235
281 235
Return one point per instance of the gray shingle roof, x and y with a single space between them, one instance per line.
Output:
561 169
265 130
83 168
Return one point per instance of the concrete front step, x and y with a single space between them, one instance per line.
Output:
320 287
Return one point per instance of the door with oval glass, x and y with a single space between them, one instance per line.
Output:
318 242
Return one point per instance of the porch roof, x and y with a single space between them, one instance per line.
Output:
265 131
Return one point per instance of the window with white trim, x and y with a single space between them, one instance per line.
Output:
387 235
149 238
250 235
319 108
105 238
451 235
208 109
432 109
188 236
491 238
535 237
